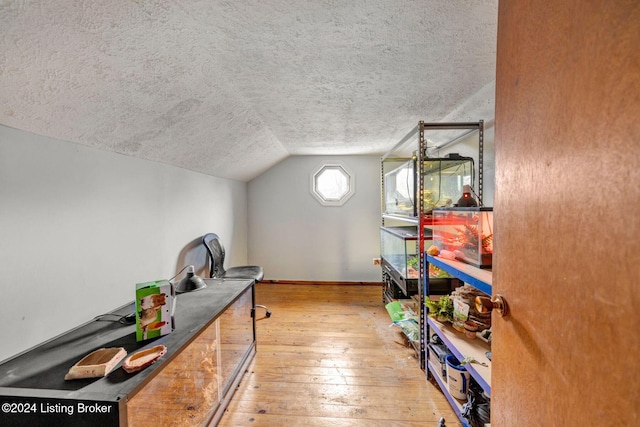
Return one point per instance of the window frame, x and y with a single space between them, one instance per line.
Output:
322 199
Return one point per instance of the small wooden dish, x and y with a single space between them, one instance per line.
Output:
470 329
96 364
143 358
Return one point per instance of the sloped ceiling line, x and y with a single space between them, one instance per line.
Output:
231 88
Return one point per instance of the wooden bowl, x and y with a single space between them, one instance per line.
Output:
143 358
96 364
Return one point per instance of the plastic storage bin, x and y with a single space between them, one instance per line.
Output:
457 378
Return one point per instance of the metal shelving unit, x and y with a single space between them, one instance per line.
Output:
460 346
425 219
420 219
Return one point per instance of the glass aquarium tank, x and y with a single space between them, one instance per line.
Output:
400 260
399 254
443 184
399 188
444 181
466 232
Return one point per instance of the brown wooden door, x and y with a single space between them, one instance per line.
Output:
567 214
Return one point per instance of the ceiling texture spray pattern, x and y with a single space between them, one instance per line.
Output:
229 88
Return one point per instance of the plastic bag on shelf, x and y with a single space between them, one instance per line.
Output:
405 318
410 328
399 311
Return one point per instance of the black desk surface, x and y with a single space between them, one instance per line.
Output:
40 371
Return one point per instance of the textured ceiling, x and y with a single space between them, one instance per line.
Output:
231 87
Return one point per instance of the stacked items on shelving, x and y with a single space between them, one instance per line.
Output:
467 295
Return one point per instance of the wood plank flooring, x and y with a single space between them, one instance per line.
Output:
328 357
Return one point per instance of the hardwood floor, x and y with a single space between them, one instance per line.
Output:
328 357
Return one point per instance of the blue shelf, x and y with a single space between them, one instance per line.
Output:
461 347
455 404
476 277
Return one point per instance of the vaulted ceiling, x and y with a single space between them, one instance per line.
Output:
231 87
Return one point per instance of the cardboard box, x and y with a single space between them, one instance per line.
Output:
155 306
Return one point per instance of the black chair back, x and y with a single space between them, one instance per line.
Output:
215 249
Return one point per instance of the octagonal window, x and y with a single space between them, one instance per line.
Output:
332 185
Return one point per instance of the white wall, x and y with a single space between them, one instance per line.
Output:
296 238
80 227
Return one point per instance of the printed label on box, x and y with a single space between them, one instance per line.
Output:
154 309
460 314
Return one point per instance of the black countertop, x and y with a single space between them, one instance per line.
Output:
40 371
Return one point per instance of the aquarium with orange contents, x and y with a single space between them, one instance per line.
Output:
465 232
